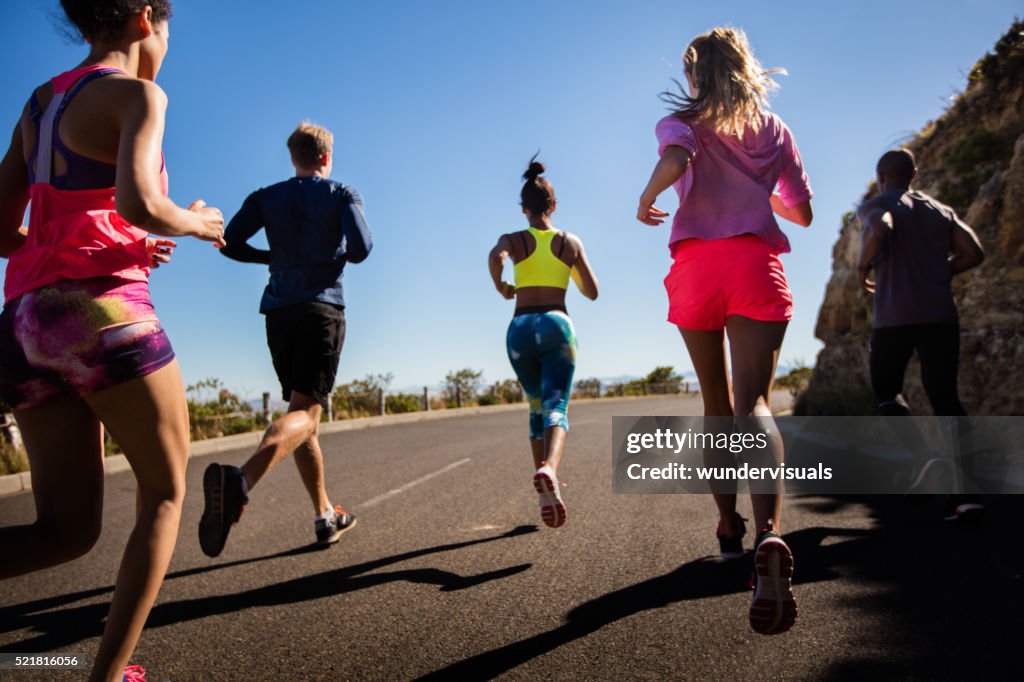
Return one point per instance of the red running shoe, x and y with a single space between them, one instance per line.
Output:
133 673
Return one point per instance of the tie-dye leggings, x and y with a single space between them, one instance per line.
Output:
78 337
542 349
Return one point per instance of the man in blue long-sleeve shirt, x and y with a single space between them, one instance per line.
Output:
314 226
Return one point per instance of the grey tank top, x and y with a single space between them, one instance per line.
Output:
912 276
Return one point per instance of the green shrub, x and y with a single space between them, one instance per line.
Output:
975 147
461 387
488 399
1008 60
973 160
215 411
587 388
796 382
360 398
399 403
661 381
508 391
110 446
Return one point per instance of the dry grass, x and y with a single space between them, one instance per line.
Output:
12 461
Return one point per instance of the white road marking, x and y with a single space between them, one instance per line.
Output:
411 484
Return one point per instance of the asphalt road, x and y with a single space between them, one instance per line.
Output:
451 575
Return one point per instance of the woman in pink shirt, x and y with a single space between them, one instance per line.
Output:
81 347
725 154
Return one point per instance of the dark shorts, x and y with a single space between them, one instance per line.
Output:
77 337
938 350
305 343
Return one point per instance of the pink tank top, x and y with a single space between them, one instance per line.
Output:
73 234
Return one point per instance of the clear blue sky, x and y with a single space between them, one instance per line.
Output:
436 108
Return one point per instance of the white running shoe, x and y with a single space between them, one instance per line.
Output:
773 609
552 509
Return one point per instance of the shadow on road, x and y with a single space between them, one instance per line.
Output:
58 629
8 614
951 598
919 599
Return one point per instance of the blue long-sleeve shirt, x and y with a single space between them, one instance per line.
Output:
314 227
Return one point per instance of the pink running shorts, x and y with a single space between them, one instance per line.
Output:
713 279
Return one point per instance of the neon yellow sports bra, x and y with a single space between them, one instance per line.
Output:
542 268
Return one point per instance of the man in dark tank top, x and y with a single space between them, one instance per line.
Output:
915 245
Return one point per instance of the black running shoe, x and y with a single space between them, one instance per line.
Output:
224 490
773 609
329 532
731 546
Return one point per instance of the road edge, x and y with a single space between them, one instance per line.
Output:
14 484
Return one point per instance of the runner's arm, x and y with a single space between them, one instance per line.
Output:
967 251
792 201
246 223
356 234
496 264
671 166
801 213
876 224
13 196
139 196
581 272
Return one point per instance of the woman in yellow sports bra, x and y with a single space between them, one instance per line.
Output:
541 341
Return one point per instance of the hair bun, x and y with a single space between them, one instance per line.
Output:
535 170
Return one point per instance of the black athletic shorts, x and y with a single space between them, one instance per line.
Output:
938 349
305 343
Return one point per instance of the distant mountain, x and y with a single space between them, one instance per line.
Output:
275 405
605 381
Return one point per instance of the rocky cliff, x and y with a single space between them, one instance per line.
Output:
971 158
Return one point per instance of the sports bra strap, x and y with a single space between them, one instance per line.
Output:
47 126
526 244
33 108
44 147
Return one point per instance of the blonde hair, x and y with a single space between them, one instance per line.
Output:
308 145
732 85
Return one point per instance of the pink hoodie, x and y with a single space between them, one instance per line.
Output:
726 188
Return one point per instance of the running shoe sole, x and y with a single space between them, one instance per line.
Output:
773 610
929 481
215 523
552 509
967 513
334 537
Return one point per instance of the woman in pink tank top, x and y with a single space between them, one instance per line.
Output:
725 155
81 347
